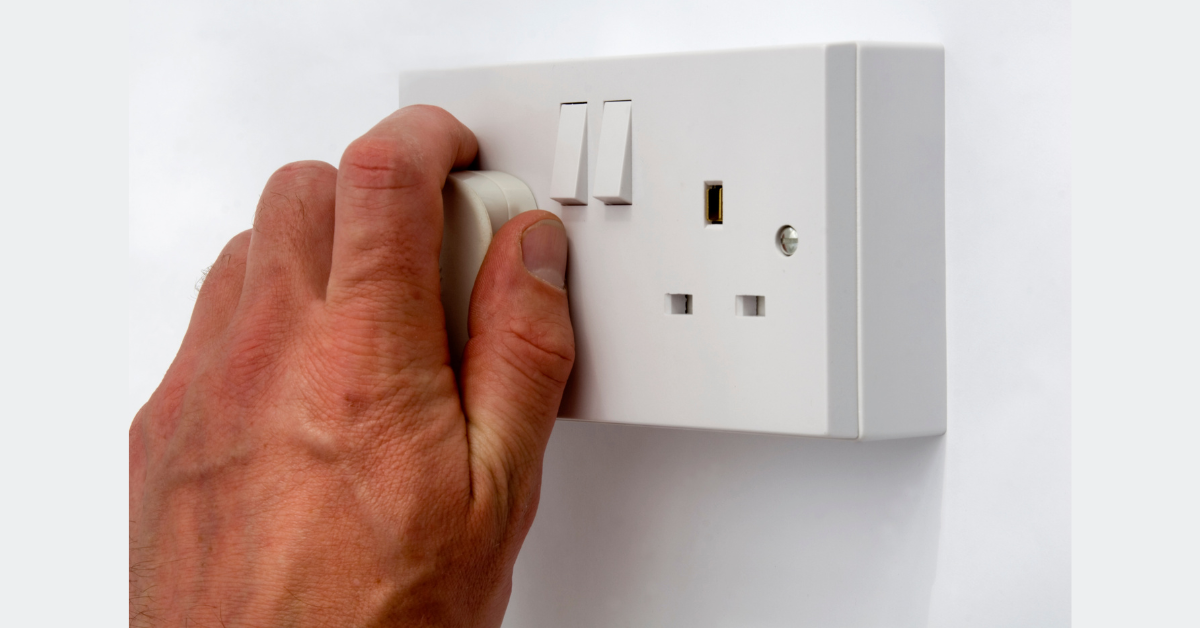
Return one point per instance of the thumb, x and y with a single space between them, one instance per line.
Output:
520 353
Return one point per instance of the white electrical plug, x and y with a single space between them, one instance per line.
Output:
475 205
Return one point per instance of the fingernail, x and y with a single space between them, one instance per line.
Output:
544 251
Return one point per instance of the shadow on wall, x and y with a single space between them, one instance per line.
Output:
672 528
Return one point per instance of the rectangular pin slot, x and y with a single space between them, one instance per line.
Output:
679 304
750 305
714 203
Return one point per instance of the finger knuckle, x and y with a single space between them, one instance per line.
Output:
237 244
290 191
301 175
376 161
433 112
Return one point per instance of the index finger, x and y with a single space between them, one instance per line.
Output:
388 227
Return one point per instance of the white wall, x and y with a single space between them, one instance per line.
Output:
649 527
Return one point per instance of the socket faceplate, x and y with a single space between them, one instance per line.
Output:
842 142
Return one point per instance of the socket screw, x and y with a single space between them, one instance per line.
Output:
788 240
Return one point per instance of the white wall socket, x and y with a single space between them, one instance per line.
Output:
675 174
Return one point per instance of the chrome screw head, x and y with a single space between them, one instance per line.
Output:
788 240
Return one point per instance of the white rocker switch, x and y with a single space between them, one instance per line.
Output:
568 183
614 167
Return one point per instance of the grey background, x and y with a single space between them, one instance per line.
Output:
652 527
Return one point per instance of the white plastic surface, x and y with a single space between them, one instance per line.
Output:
568 184
843 142
614 160
475 204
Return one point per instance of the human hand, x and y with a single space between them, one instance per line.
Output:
309 458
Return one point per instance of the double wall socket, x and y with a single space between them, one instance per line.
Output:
757 236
